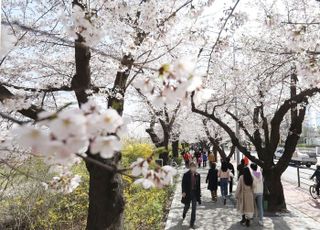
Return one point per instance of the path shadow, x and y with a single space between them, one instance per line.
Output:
315 203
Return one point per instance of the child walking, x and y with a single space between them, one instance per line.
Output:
212 181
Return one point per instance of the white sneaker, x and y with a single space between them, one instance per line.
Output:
260 222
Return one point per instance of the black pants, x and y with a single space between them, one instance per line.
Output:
230 185
193 201
204 164
318 188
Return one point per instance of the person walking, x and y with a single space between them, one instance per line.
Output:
244 196
240 168
199 159
231 168
191 192
212 181
186 157
204 159
225 175
257 187
211 158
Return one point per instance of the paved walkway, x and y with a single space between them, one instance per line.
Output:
212 215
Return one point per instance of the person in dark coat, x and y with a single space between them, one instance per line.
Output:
191 192
231 168
212 181
240 168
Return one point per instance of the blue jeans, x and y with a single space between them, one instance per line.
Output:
259 201
224 187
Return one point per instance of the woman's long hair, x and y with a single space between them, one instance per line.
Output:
224 166
247 176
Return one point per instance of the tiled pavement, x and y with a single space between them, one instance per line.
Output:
304 212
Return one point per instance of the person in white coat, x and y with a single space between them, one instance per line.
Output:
257 186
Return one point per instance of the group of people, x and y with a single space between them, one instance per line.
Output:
201 157
249 192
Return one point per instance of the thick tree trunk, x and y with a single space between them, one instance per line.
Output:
106 202
274 191
175 149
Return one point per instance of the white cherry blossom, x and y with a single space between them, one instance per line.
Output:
110 121
105 146
139 167
146 183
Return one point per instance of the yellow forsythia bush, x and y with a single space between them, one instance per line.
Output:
40 209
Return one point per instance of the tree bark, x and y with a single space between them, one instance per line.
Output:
274 190
106 202
175 148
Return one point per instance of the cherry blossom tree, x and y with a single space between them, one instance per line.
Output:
89 52
269 72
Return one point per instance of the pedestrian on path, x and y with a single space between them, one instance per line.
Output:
225 176
240 168
191 192
204 159
317 175
212 181
257 187
187 157
244 196
231 168
211 158
199 160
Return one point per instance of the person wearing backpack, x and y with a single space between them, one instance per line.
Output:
257 187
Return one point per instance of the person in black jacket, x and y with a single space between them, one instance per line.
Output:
212 181
231 168
317 175
191 192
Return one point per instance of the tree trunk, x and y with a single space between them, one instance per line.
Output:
106 202
274 191
175 149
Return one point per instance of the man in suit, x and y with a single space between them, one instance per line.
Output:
191 192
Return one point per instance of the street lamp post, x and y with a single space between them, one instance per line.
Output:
236 105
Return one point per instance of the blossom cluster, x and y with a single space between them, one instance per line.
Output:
64 183
58 137
177 82
150 178
7 41
85 24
